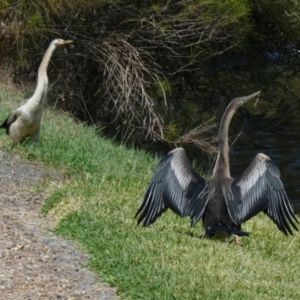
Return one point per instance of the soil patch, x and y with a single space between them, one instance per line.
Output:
34 262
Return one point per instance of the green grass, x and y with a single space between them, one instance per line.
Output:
96 206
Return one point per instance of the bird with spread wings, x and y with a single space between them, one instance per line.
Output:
222 202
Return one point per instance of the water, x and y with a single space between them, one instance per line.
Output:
285 152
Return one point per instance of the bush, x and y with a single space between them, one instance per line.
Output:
156 70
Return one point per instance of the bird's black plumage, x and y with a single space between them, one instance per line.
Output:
222 202
9 120
178 195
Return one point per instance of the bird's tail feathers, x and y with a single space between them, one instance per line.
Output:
4 124
223 228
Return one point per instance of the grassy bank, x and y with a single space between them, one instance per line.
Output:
96 206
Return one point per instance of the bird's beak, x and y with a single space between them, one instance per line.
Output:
63 42
247 98
257 98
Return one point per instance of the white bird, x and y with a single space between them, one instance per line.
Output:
25 121
222 202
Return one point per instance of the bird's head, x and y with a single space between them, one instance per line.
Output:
60 42
236 103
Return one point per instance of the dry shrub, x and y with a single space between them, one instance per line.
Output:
137 67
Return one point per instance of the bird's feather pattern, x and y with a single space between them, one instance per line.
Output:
260 189
9 120
199 197
175 185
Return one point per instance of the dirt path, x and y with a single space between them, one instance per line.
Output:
35 263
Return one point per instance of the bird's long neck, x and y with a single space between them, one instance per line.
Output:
222 163
42 84
222 169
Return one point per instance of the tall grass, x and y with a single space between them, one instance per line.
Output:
96 207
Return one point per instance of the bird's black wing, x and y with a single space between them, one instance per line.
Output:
175 185
260 189
10 119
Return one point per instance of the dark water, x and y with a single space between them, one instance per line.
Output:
285 152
